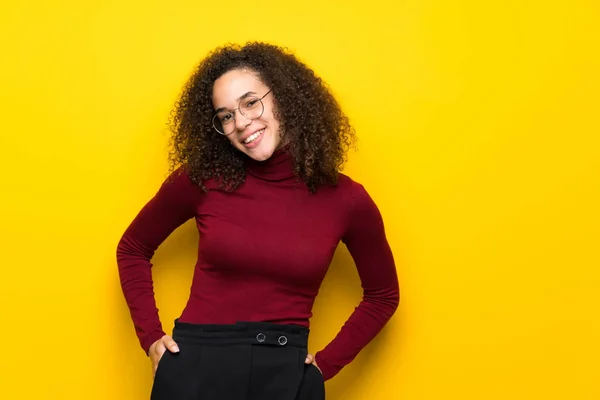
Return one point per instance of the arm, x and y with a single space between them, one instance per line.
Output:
366 241
174 204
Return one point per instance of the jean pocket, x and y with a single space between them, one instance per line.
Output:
318 372
161 363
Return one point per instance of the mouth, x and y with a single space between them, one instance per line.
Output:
252 138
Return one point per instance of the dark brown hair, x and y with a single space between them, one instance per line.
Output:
319 133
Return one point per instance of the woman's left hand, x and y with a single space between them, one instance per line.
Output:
310 359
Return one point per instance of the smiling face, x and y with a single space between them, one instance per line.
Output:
259 137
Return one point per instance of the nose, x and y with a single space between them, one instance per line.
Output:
241 122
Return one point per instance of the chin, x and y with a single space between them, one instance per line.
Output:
261 153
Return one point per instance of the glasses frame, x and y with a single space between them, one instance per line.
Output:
240 111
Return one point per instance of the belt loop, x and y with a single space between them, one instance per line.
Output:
282 340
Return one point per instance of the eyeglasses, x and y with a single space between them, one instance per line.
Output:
250 107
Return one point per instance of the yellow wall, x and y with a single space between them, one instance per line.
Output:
478 125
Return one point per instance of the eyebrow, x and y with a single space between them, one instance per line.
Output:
242 97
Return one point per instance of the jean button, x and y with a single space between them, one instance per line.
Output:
282 340
261 337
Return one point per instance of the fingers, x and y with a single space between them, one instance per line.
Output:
166 342
170 344
158 348
310 359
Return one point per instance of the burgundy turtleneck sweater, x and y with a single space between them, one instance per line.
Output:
264 250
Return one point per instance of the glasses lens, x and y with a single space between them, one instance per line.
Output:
223 123
251 107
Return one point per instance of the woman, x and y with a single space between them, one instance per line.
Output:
258 141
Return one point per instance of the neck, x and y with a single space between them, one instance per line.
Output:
278 167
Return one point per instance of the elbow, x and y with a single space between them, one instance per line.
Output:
128 248
121 246
125 250
393 301
390 296
385 301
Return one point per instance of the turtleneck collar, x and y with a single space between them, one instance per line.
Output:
278 167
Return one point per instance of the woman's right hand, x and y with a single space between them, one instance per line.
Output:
158 348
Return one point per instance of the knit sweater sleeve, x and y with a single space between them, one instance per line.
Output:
366 241
173 204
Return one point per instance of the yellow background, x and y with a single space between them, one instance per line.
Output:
478 125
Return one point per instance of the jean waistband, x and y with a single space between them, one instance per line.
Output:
243 332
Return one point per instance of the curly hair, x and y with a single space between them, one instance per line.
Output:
319 133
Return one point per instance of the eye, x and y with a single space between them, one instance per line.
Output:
250 103
224 118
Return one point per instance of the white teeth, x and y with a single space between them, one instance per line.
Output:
251 138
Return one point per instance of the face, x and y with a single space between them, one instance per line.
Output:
258 137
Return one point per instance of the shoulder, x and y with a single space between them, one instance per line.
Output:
347 196
351 188
357 199
179 179
363 217
178 186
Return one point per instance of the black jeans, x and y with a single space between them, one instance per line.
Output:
243 361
